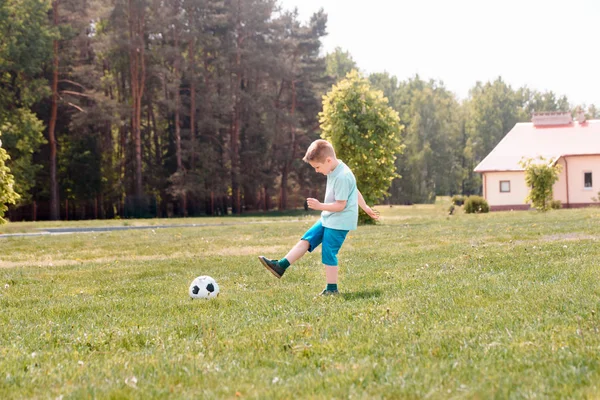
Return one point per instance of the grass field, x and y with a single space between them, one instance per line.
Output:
502 305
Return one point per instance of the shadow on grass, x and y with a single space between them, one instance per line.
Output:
363 294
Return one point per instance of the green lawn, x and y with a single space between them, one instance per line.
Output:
502 305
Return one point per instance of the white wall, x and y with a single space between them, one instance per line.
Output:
518 189
576 166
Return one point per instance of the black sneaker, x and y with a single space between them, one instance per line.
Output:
272 266
326 292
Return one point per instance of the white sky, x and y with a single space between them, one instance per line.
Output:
541 44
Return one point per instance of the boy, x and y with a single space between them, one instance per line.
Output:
339 215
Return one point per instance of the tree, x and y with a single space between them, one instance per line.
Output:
54 199
592 112
25 45
339 63
431 162
540 176
7 192
297 101
493 109
365 132
136 10
534 101
66 14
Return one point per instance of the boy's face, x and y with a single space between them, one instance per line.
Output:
324 168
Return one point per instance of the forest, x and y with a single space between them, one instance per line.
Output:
150 108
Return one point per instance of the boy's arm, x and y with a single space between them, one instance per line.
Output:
315 204
363 204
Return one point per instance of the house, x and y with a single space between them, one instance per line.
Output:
574 144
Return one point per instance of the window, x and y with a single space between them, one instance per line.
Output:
504 186
587 180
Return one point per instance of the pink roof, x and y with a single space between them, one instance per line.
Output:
551 142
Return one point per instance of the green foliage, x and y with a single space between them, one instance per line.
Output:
249 128
540 176
430 164
365 133
79 166
476 205
339 63
7 192
26 39
546 101
491 112
23 134
25 45
555 204
458 199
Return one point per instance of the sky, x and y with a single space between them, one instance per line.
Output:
542 44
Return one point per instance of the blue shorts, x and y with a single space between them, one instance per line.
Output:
332 240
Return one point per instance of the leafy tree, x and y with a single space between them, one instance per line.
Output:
339 63
7 192
592 112
68 19
493 109
534 101
25 45
431 162
365 132
390 87
540 175
297 100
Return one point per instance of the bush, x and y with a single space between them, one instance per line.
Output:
476 204
365 132
458 200
555 204
540 176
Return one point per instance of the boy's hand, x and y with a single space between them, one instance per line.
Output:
314 204
372 213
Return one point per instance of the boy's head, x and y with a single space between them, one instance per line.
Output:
321 156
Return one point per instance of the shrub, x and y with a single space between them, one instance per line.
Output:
365 132
555 204
458 200
476 204
540 176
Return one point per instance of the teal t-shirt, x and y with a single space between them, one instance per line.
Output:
341 185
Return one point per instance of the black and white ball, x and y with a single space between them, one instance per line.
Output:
204 287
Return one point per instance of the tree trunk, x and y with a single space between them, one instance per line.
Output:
192 67
283 188
137 68
283 202
180 169
267 199
122 168
54 199
157 150
235 126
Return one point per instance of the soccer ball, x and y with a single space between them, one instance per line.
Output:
204 287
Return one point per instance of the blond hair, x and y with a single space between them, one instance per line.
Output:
318 151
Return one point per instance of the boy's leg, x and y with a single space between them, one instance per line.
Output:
331 277
310 240
297 251
332 242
